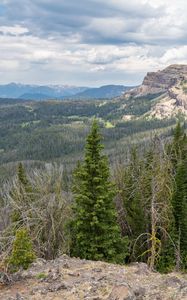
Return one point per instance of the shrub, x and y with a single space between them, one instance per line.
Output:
22 252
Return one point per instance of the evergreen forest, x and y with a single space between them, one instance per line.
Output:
129 209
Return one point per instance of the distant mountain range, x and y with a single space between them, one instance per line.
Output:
36 92
106 91
44 92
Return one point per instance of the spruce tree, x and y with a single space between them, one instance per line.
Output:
132 196
22 253
96 232
180 213
21 174
22 194
22 177
177 147
179 201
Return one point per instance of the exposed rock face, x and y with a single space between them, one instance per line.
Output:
161 81
171 104
74 279
171 84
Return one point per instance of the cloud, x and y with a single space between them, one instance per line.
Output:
90 41
13 30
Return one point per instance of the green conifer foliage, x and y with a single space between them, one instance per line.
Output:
21 194
176 148
97 234
23 180
132 195
180 211
22 253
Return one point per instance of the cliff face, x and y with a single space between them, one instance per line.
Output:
74 279
161 81
171 85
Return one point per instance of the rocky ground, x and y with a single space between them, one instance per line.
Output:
75 279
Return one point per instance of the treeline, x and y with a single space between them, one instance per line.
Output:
136 212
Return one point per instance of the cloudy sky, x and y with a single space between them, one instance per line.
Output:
90 42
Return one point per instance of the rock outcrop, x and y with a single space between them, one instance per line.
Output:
170 85
161 81
74 279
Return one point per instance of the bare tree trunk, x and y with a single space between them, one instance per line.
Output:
153 251
178 253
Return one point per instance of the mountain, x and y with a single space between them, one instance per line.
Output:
44 92
35 92
103 92
165 92
57 129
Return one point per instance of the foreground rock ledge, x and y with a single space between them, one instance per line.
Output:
75 279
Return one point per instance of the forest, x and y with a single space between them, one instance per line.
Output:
54 131
131 209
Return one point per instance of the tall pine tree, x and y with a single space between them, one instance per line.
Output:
179 201
96 232
180 213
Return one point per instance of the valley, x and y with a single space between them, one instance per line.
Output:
55 130
93 150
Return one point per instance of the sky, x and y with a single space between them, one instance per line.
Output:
90 42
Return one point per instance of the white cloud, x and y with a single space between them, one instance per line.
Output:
13 30
91 41
177 55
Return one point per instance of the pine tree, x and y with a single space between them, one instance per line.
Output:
180 213
22 253
21 174
178 152
22 177
97 234
177 147
22 194
132 196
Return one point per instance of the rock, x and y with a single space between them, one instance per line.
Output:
168 88
39 262
5 278
57 287
66 265
172 281
98 270
19 297
91 280
140 292
161 81
142 269
121 293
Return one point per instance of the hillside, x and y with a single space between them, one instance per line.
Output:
52 130
167 90
74 279
40 131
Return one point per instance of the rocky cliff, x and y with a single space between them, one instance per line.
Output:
170 85
162 81
74 279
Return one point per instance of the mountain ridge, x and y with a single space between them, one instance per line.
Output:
105 91
46 92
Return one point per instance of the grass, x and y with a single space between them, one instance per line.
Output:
109 125
41 276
